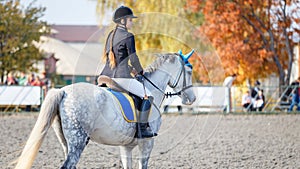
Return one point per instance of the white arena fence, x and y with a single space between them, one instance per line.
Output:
15 96
214 99
209 99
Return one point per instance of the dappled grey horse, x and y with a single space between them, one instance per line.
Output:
84 111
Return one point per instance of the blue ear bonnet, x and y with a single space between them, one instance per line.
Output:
186 57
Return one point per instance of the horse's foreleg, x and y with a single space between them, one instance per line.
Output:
145 148
126 156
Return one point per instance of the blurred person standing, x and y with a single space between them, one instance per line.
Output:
228 84
295 95
46 81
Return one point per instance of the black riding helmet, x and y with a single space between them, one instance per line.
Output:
122 12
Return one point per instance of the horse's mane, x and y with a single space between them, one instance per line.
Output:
161 58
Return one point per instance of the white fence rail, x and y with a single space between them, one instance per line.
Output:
20 95
208 99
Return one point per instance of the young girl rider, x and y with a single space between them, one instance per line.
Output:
119 50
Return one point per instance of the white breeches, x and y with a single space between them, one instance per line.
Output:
133 86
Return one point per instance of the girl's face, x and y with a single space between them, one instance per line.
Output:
129 23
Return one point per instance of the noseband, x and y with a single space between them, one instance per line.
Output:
170 94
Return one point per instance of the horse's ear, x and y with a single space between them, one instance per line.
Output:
180 52
187 56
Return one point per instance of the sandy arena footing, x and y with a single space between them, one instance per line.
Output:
184 141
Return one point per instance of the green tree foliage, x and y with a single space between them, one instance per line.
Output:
18 29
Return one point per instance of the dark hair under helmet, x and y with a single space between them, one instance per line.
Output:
122 12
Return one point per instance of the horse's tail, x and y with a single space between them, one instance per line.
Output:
48 111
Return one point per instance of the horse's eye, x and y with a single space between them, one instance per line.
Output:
189 65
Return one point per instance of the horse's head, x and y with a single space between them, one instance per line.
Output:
181 78
173 69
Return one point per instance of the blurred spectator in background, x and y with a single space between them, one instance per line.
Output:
11 80
293 93
47 83
260 101
30 79
246 101
22 79
229 80
228 84
37 82
254 93
255 89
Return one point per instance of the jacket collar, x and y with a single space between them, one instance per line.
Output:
121 27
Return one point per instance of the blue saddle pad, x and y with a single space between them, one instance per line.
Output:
126 104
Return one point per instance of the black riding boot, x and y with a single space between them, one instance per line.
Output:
143 130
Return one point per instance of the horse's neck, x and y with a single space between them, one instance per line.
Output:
160 79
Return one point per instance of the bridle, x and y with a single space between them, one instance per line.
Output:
170 94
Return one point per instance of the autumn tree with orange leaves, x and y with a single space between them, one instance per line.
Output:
253 38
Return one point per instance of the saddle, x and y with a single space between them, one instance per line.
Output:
128 102
105 81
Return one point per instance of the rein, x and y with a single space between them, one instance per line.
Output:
170 94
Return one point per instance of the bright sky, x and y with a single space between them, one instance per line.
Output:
68 12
